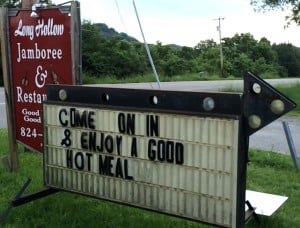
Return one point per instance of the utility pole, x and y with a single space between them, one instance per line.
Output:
221 49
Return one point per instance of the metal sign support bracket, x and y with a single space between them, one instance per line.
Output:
251 212
21 199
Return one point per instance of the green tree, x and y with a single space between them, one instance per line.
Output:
10 3
263 49
209 61
186 53
102 56
289 57
125 58
204 45
242 52
92 61
294 5
241 64
239 53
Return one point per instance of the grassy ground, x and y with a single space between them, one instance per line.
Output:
274 173
292 92
268 172
89 79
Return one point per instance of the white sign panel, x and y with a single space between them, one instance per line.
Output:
184 165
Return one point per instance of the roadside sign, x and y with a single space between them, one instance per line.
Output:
174 152
40 54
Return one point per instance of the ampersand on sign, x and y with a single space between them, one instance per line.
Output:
67 140
40 77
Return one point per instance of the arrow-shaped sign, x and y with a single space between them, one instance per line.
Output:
262 103
208 134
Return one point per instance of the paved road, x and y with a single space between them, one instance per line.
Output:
199 85
270 138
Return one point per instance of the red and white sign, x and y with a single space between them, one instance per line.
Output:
40 55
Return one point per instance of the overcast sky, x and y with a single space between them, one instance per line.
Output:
186 22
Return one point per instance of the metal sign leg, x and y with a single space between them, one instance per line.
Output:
6 212
21 199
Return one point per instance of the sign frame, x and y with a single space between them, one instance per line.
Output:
259 105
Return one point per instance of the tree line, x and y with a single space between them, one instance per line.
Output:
116 56
121 57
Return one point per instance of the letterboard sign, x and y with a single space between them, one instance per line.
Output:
163 151
174 152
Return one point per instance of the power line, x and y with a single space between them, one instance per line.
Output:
121 18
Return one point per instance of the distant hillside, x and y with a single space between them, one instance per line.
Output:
111 32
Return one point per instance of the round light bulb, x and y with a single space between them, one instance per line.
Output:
277 107
254 121
62 94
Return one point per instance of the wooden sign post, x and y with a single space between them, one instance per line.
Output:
13 149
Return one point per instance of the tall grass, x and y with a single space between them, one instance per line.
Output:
274 173
90 79
292 92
